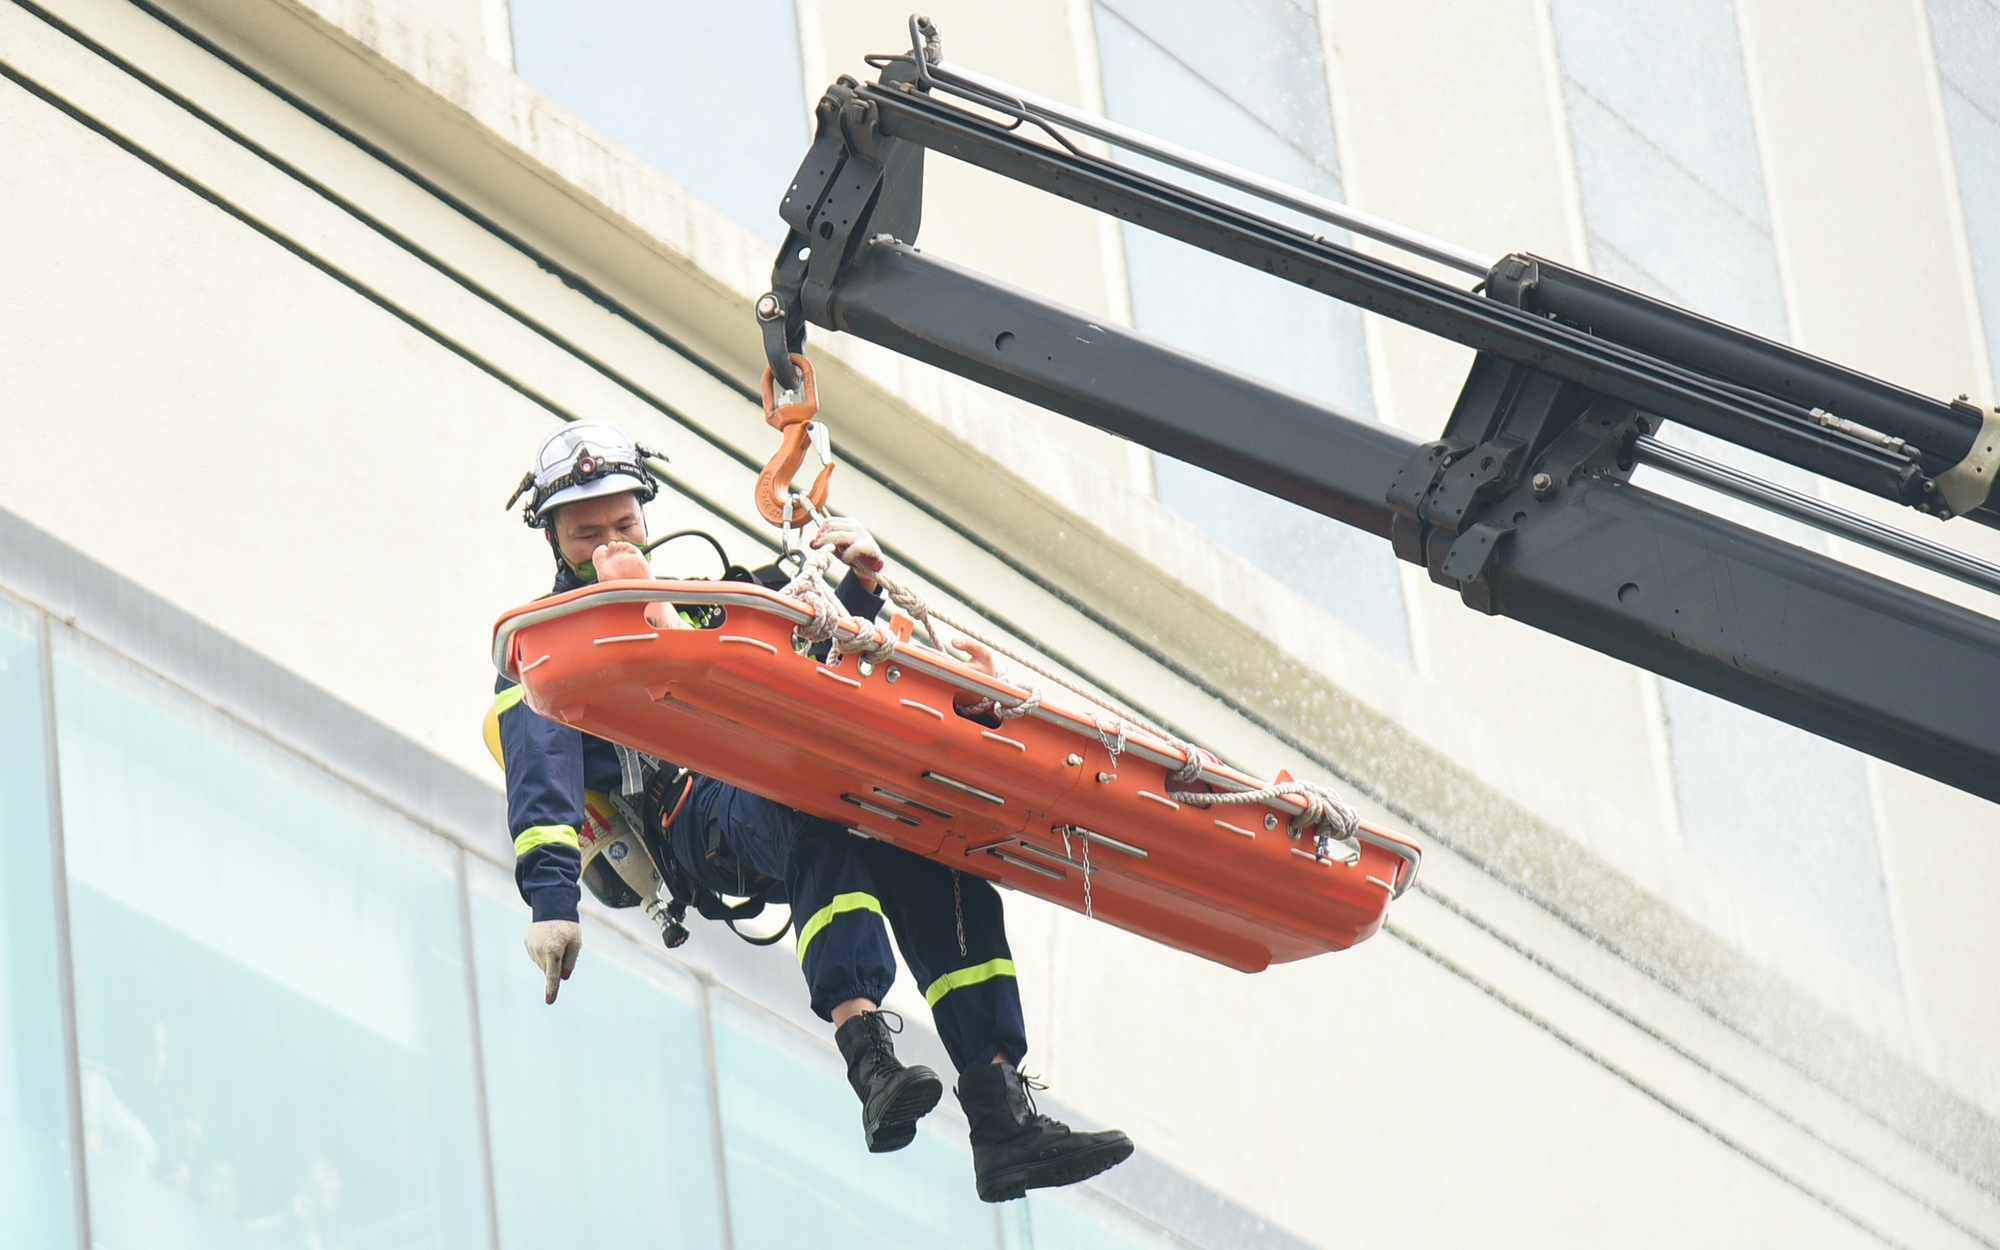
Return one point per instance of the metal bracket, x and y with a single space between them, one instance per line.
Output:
1410 490
1969 483
1515 440
854 184
1512 278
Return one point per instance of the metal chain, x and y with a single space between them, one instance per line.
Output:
1069 853
958 907
1088 913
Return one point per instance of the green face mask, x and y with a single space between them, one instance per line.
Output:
585 572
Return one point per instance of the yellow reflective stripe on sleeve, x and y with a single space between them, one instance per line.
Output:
824 916
967 976
543 835
501 702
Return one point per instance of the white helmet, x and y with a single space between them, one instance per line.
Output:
584 460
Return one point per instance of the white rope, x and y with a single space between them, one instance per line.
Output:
1325 811
921 611
810 585
1025 706
872 643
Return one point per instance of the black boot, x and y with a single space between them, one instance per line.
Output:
893 1097
1015 1148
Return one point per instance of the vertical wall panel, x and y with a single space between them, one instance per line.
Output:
1675 204
37 1188
1248 83
799 1173
599 1104
270 989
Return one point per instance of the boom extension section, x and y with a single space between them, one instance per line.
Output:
1524 505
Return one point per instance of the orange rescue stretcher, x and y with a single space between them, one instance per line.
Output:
1042 804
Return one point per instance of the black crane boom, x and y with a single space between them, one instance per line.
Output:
1524 504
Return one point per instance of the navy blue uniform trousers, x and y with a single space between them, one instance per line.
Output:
842 889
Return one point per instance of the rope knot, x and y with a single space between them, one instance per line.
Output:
1325 812
1025 706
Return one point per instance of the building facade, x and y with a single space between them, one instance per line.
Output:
293 288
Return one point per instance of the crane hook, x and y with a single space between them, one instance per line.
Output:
795 422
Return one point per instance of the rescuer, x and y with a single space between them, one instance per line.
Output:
586 493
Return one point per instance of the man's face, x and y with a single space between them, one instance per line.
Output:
583 527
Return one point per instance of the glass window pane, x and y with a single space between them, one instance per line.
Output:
1666 155
1249 84
271 995
38 1196
1655 228
1674 204
1967 36
1786 814
1263 54
1673 71
1350 574
1221 310
615 1073
799 1174
1069 1219
673 81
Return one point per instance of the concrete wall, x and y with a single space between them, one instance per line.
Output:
309 380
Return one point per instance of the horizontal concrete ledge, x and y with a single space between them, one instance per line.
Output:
100 604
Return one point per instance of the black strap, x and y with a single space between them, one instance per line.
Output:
665 790
587 468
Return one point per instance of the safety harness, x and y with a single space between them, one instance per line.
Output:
652 794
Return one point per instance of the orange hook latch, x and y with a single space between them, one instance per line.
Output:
794 421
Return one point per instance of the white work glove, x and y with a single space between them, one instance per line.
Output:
854 545
554 946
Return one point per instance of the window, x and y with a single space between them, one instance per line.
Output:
1058 1219
273 1025
614 1077
1966 34
710 94
1247 82
799 1174
1674 205
1666 156
1785 814
38 1199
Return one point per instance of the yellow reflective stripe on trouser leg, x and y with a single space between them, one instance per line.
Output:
824 917
967 976
544 835
501 702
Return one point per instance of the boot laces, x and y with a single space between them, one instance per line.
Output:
879 1043
1029 1085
